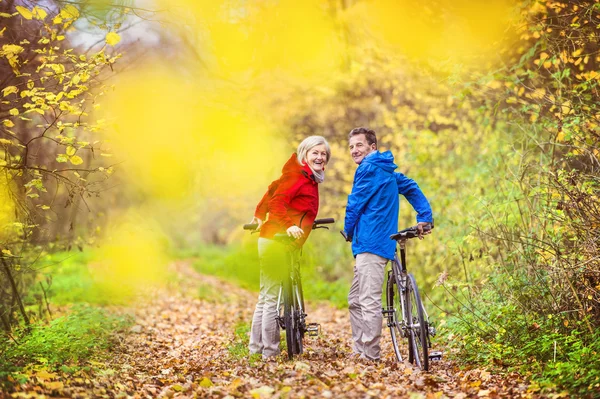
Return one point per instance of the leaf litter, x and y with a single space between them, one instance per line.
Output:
185 345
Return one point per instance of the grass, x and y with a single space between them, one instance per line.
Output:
240 265
239 347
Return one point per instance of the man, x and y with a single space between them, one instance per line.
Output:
371 218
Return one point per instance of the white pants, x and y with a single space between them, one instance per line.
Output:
364 303
264 335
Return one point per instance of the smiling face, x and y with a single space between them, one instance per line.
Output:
316 157
360 148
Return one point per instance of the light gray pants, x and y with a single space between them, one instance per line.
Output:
364 303
264 335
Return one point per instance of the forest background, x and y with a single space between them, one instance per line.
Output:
136 132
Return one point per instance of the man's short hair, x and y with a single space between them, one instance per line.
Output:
369 134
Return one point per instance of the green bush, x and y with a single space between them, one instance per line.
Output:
493 330
66 343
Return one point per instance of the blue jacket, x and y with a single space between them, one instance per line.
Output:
372 210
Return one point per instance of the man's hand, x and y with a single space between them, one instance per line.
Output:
295 231
424 228
257 221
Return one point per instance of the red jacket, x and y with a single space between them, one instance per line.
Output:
293 199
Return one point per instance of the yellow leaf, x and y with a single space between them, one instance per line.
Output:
206 383
69 12
112 38
9 90
76 160
7 252
14 112
44 375
24 12
39 13
560 136
70 151
56 385
8 123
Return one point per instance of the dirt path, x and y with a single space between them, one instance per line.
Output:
183 346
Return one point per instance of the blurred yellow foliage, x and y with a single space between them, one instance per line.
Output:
177 138
243 40
7 210
131 257
457 31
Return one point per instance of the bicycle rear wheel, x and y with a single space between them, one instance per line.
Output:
289 317
418 351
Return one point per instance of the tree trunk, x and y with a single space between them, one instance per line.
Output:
15 291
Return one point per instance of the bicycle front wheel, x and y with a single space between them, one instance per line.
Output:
289 317
418 351
299 323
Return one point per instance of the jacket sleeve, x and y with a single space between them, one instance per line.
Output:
411 191
362 191
282 197
263 206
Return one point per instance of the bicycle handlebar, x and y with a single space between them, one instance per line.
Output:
411 232
316 224
323 221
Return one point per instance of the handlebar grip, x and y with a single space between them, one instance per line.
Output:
324 221
251 226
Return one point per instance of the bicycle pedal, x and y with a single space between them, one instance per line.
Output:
313 329
435 355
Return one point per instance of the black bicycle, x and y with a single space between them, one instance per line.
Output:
292 316
406 315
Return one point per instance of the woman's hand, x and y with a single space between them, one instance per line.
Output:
257 221
295 231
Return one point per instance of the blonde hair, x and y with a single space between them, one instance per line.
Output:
310 142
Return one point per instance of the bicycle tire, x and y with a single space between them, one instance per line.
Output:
391 293
288 317
299 326
418 352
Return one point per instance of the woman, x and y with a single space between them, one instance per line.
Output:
292 203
